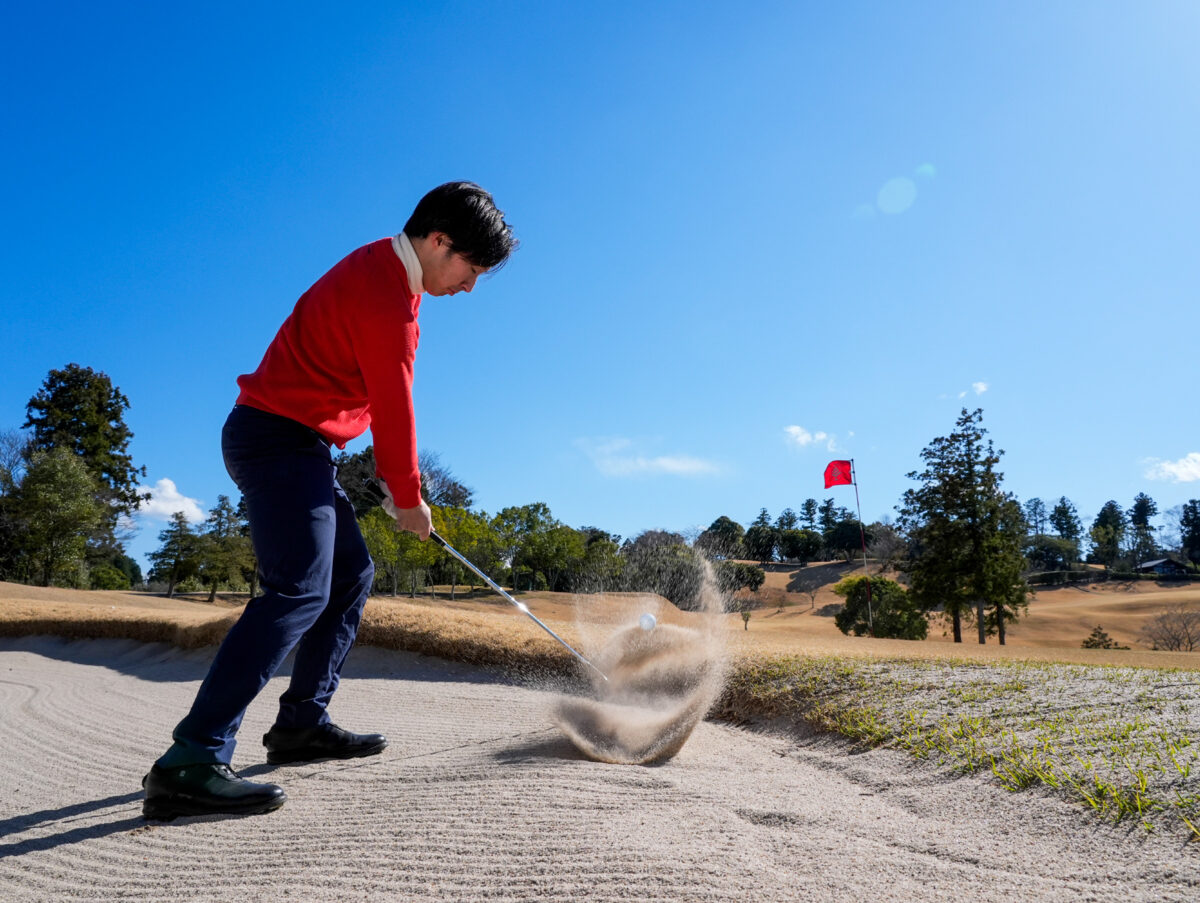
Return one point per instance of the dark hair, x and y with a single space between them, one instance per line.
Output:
468 215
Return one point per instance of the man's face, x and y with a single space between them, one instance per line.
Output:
447 272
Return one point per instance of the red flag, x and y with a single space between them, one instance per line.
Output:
838 473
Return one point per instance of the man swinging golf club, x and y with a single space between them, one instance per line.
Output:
342 362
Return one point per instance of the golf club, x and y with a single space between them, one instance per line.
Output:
520 605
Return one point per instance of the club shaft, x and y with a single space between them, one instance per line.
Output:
522 608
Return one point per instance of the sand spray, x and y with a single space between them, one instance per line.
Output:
661 681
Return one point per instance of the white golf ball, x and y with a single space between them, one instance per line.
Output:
647 621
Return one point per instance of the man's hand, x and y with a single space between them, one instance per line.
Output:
414 520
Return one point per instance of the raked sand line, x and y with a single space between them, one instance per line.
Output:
479 797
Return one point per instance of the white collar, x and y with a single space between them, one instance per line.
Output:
408 256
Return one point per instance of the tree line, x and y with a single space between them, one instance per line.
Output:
968 550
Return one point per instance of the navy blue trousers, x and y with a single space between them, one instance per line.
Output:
315 573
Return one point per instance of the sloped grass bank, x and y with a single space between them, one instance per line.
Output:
1125 742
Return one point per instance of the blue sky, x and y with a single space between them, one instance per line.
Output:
754 238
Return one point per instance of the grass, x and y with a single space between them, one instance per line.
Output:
1118 740
1122 741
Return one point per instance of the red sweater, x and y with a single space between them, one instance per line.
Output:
343 361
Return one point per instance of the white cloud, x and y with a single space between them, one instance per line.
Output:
165 499
1185 470
617 457
977 387
802 438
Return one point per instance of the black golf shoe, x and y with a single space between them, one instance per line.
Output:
208 789
287 745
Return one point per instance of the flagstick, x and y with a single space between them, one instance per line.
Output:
863 535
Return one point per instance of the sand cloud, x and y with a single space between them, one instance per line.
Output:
802 438
165 499
1185 470
617 457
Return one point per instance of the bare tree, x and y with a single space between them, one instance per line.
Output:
887 546
1177 629
439 485
15 447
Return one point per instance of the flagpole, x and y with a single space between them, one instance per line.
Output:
863 535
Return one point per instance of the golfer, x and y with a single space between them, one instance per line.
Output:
342 362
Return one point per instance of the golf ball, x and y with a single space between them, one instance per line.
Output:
647 621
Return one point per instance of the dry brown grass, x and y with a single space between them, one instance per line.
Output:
486 630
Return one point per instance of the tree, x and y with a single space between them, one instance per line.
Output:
15 450
115 571
722 539
557 554
379 532
894 614
660 562
1099 639
885 544
846 538
760 541
1035 516
787 520
79 409
1051 553
222 549
1142 546
178 557
1108 534
514 525
1189 526
808 514
250 564
602 566
733 575
106 576
799 545
828 515
57 510
1065 520
1176 629
965 533
356 476
416 557
471 536
439 486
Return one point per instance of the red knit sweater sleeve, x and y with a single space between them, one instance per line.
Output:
385 335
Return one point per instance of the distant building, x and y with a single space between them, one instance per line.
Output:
1164 567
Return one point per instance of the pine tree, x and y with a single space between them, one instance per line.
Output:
79 409
223 549
1189 525
965 533
1065 520
1142 546
178 557
808 514
1108 534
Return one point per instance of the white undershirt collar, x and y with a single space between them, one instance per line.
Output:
408 256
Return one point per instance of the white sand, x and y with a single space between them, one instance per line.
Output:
479 797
